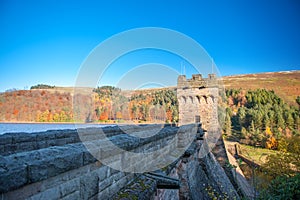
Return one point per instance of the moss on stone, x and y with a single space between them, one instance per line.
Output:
125 195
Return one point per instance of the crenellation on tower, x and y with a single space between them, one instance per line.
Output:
197 81
198 100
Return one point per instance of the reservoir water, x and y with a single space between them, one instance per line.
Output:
39 127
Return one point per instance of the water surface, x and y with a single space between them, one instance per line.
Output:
39 127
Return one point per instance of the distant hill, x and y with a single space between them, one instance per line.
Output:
69 90
54 104
285 84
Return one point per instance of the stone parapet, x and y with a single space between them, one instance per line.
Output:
69 170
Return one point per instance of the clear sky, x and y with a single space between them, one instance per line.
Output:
47 41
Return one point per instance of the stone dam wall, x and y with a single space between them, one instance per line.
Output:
57 165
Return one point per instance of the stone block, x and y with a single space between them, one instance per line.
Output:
88 186
51 142
2 151
5 139
62 134
60 142
104 184
75 137
69 140
13 174
23 137
54 161
10 148
102 172
110 180
26 146
117 185
72 196
48 135
41 144
50 194
69 187
88 158
105 194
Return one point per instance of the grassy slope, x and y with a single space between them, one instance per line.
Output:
285 84
257 154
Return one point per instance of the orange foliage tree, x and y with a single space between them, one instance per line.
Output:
271 142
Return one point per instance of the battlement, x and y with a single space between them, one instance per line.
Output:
197 81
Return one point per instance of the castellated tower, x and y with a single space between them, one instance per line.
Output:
198 100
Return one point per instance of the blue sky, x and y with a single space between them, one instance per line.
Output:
47 41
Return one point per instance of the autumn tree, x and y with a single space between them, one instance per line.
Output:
287 160
270 141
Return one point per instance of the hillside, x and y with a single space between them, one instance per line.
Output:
55 104
285 84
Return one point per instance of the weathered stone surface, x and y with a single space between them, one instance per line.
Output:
118 185
51 194
69 187
73 196
60 142
220 177
2 152
13 174
48 135
23 137
102 173
54 161
105 184
5 139
10 148
198 100
89 185
41 144
88 158
26 146
141 188
22 142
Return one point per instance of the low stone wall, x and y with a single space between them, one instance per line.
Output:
19 142
69 171
11 143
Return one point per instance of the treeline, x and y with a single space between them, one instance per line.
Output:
259 117
36 106
105 104
156 106
42 86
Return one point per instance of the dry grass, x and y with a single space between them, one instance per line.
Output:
256 154
71 90
285 84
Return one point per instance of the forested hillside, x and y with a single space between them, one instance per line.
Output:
104 104
259 117
140 106
285 84
35 106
